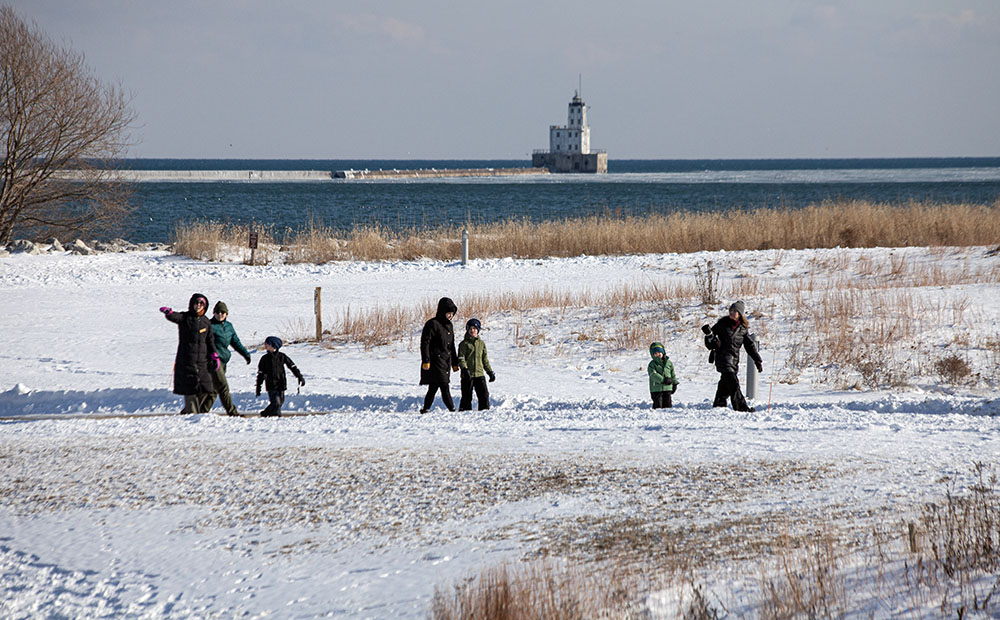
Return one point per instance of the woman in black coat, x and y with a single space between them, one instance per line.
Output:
438 357
725 339
196 355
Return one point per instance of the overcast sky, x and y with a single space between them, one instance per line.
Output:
468 79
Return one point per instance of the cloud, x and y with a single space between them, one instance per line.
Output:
942 29
398 31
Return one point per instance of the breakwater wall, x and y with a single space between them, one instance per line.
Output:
156 176
433 173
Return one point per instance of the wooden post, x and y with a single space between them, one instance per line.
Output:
252 243
318 303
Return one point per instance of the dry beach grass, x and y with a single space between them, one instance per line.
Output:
855 224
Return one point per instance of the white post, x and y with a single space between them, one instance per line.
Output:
751 371
465 246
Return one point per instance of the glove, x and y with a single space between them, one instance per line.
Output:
247 358
465 375
760 367
706 329
257 393
426 365
492 376
214 362
165 310
302 381
674 391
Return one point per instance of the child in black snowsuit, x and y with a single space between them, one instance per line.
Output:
271 372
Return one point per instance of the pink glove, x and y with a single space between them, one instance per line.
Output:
214 362
165 310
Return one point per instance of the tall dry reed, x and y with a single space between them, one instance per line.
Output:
220 241
829 224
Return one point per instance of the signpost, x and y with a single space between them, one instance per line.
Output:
252 244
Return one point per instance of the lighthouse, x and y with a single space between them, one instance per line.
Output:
569 144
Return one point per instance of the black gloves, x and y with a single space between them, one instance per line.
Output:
706 329
302 381
247 358
492 376
257 393
674 391
760 367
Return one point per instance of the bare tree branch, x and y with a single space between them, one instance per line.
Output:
55 116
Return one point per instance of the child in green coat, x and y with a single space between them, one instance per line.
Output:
662 381
475 367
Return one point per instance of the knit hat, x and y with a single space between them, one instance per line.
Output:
656 347
474 323
274 341
220 307
739 307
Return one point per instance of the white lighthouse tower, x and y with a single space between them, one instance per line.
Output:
569 145
574 137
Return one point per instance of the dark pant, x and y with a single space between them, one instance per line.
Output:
661 400
729 388
198 403
222 389
274 407
445 396
482 392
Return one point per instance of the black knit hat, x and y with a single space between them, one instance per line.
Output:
220 307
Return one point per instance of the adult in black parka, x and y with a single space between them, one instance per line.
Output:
725 339
196 355
438 357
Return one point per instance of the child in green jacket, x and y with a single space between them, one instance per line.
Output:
662 381
475 367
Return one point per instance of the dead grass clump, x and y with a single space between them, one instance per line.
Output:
540 589
218 241
805 583
374 327
963 533
953 369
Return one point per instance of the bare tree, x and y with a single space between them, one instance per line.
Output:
64 133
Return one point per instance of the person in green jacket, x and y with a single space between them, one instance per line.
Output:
475 367
225 336
662 381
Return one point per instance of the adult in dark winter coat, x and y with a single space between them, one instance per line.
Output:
438 357
196 358
725 339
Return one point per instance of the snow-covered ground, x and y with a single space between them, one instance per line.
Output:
363 511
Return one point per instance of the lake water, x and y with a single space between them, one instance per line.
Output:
631 187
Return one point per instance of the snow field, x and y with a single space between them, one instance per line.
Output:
363 511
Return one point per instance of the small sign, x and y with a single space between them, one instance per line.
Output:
253 241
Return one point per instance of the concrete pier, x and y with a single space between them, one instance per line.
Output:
434 173
156 176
